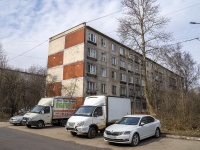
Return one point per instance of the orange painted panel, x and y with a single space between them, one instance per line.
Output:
79 101
55 60
53 89
74 70
74 38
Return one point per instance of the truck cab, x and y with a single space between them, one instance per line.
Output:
89 118
40 115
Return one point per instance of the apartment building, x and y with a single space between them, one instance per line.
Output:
83 61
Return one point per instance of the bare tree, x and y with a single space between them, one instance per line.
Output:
142 29
182 64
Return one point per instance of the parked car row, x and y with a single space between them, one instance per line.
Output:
110 115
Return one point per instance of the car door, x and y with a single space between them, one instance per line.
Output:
46 116
98 118
143 130
151 122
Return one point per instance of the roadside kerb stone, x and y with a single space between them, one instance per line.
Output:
180 137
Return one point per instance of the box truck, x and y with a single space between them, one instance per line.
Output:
50 111
96 113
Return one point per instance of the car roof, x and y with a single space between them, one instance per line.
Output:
137 115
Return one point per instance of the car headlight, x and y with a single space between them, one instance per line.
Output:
127 132
80 123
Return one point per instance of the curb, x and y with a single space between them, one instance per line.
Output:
180 137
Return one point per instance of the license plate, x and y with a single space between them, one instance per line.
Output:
111 137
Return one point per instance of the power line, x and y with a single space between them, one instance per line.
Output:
104 16
181 9
27 51
27 56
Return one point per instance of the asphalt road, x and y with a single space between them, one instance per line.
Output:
57 138
11 139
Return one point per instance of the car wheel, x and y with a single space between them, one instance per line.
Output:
92 133
73 133
40 124
157 133
28 126
135 139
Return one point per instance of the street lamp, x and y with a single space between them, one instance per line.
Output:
194 23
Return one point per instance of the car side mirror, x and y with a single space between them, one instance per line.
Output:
142 123
95 114
42 112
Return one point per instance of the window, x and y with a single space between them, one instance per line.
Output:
123 77
122 64
114 89
130 55
91 86
130 79
144 105
98 112
47 110
137 68
122 91
92 37
131 92
91 69
103 88
114 61
129 66
121 51
103 42
104 57
114 74
103 72
136 59
137 80
92 52
113 47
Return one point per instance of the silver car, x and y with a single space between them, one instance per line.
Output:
132 128
17 120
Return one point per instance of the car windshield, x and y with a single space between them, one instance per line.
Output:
37 109
129 120
85 111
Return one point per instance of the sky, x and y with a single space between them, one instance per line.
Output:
27 25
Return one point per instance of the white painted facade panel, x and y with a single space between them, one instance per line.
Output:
56 45
55 74
74 86
74 54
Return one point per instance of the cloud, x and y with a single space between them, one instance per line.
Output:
27 23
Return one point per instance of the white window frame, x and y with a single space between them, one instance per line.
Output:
114 89
113 47
91 86
131 79
92 37
130 66
103 42
92 53
114 75
114 61
122 90
122 64
91 69
103 57
103 72
103 88
122 51
123 77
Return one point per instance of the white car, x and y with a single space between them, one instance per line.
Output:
132 128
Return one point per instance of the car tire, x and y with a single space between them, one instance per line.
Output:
92 133
39 124
73 133
28 126
157 133
135 139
